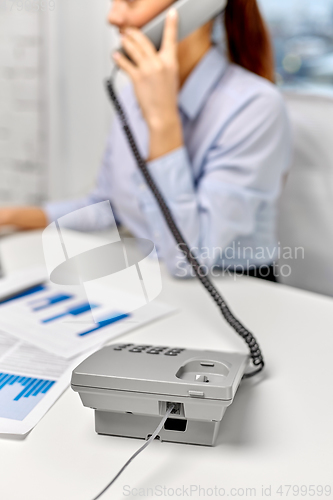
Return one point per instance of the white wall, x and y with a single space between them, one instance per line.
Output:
22 124
54 111
78 53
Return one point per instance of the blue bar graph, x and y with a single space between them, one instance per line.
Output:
66 308
19 394
25 293
113 319
74 311
40 304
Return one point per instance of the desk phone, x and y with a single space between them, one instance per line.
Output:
130 387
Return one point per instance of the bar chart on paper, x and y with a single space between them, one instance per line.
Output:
66 322
19 395
59 322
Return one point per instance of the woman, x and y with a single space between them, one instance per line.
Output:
214 131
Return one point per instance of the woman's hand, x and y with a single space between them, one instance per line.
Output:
23 217
155 77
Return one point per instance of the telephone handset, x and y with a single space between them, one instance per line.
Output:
191 15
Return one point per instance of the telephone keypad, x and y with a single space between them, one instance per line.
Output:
120 347
167 351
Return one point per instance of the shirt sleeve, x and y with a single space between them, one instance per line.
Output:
243 169
98 217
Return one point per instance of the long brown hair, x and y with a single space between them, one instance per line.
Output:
248 39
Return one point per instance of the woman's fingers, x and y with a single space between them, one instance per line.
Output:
142 51
170 35
133 49
143 43
144 58
125 64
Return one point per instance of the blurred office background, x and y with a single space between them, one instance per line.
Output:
302 31
55 115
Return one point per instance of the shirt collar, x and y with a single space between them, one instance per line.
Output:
201 81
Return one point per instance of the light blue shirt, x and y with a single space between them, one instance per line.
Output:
222 186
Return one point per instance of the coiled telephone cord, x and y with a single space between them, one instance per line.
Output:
248 337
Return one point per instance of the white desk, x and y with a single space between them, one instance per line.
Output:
277 432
